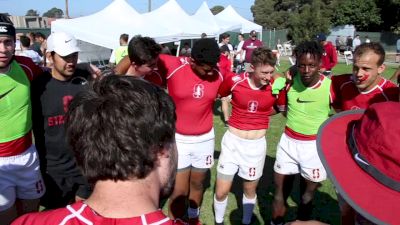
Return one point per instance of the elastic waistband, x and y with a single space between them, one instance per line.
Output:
17 146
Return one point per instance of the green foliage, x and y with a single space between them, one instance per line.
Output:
363 14
217 9
309 21
54 13
390 15
32 12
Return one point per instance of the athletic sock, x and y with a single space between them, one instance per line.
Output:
219 209
193 212
248 206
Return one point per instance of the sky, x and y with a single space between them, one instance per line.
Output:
86 7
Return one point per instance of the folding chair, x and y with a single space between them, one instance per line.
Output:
281 50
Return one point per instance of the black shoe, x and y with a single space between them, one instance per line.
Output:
219 223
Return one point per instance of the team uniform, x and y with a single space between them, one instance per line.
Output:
50 100
19 162
251 109
347 96
194 99
80 213
307 109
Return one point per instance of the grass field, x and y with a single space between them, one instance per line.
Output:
326 208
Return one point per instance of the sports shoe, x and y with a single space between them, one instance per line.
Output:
194 221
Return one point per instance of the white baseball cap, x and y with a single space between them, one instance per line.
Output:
62 43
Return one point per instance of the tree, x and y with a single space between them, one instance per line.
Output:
390 15
363 14
308 22
217 9
32 12
54 13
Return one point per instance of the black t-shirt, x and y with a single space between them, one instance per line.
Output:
50 100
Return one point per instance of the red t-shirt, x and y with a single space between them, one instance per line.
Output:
329 57
80 213
193 96
249 45
224 65
347 96
155 78
251 107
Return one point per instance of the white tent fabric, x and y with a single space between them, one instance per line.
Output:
204 14
104 27
173 16
230 14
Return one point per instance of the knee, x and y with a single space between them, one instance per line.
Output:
220 195
307 197
196 185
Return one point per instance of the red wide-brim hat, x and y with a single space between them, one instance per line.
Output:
373 200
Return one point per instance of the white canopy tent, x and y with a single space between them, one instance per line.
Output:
229 14
204 14
173 16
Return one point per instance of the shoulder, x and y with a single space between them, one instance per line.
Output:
46 217
339 80
30 68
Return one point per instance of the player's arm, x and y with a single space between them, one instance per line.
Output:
333 59
281 101
335 93
225 88
123 66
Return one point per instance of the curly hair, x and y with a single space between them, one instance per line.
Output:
143 50
309 47
117 128
263 56
206 51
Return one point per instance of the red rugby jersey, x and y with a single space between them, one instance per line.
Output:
251 107
347 96
80 213
193 96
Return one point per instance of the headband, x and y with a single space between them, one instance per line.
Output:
7 29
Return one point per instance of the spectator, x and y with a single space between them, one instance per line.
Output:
356 41
203 35
349 43
239 54
27 52
359 150
51 94
367 40
120 52
329 57
129 170
249 45
186 50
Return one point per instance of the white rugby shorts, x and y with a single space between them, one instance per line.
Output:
297 156
196 151
247 157
20 178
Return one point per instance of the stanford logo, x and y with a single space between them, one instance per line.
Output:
252 106
355 107
252 172
198 91
209 160
66 100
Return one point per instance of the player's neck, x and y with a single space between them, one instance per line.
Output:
124 199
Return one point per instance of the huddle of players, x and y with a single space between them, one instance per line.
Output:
306 100
195 82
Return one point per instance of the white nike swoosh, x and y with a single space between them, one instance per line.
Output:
357 157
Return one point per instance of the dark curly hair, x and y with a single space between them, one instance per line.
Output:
309 47
143 50
117 128
206 51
